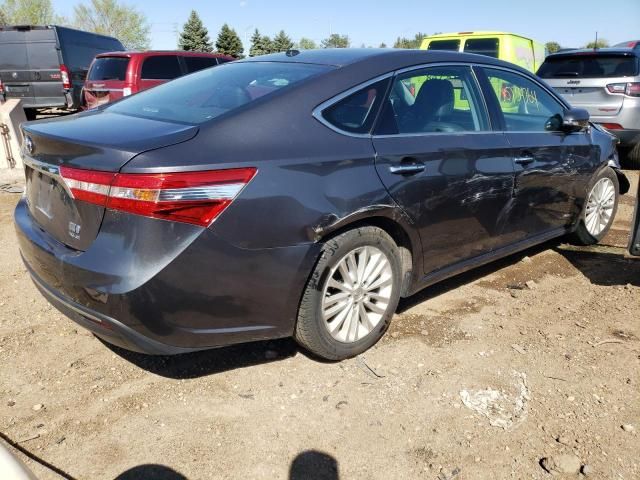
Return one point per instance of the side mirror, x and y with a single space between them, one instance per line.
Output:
575 119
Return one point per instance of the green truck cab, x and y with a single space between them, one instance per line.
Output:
522 51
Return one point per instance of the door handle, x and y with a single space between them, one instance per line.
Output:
407 168
524 160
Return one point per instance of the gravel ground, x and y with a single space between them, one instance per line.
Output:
528 364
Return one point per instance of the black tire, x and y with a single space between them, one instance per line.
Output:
632 159
30 113
581 236
311 331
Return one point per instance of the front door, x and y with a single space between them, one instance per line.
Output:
441 162
548 162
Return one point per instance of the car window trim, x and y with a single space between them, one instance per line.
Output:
499 112
317 112
435 65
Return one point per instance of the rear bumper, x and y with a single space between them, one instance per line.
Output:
162 288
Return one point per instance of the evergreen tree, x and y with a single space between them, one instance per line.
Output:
383 45
260 44
306 44
282 42
336 40
229 43
194 36
267 44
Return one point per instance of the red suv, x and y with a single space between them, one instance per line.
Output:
118 74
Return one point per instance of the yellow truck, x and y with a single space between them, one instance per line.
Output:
509 47
522 51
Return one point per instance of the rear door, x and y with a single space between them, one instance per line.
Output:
588 80
106 80
548 162
158 69
442 163
30 67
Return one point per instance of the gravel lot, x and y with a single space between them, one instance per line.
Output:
484 376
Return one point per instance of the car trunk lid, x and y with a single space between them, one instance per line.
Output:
97 141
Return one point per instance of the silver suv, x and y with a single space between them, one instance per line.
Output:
606 82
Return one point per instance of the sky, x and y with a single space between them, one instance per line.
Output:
572 24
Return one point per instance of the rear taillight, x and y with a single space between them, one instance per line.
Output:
189 197
1 88
631 89
64 74
611 126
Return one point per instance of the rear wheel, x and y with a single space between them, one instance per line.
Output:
351 295
633 157
599 209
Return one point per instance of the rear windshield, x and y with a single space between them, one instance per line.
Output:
209 93
590 66
482 46
194 64
109 68
444 45
13 56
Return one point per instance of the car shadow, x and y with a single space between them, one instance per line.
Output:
209 362
603 265
314 465
472 275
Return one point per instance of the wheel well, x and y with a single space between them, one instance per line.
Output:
399 236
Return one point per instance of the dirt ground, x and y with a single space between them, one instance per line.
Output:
480 377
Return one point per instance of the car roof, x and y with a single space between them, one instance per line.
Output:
599 51
388 58
131 53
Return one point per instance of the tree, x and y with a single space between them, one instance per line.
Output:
552 47
415 42
194 36
228 42
260 44
306 44
383 45
282 42
110 17
335 40
602 43
27 12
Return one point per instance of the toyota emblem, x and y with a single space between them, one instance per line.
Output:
28 143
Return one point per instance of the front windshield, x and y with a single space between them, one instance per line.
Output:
209 93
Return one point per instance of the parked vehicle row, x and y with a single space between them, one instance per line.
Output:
59 67
46 66
370 174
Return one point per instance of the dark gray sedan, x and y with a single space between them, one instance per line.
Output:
302 194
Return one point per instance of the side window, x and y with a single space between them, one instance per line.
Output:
452 45
483 46
356 113
161 67
198 63
526 106
433 100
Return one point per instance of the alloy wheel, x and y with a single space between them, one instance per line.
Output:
600 204
356 294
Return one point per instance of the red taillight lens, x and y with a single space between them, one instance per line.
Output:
64 74
189 197
1 88
611 126
632 88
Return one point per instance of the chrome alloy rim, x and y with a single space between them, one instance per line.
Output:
356 294
600 205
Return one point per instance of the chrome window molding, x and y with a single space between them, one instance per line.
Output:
317 112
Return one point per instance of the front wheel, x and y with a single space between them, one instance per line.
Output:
599 209
351 295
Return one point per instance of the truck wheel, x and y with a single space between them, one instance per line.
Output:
633 157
